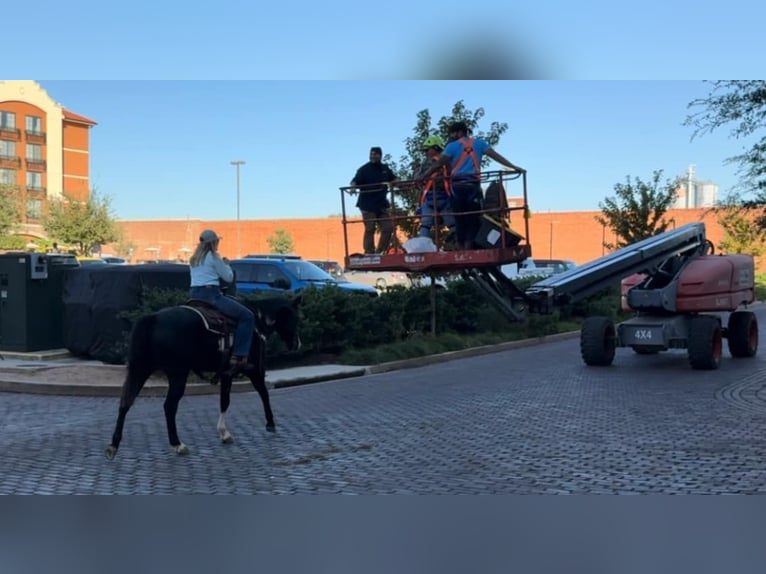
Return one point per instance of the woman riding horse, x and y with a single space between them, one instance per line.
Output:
207 271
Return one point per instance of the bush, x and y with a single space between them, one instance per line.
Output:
760 286
360 329
12 242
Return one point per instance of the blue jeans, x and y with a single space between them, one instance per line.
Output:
443 211
243 336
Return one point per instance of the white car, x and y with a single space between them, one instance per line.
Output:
379 279
542 268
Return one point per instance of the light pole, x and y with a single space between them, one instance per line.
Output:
237 163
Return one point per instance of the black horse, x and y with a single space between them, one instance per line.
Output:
177 341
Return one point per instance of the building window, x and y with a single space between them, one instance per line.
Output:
34 152
7 149
34 125
7 176
34 180
34 208
7 120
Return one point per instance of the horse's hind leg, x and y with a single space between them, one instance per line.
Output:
225 400
258 378
176 389
134 382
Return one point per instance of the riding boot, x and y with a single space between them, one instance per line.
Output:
238 365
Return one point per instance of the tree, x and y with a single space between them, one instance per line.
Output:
408 164
638 209
741 234
10 210
81 223
741 103
280 241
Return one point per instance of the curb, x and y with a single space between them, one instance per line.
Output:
465 353
157 387
154 388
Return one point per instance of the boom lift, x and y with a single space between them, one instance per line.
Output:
673 282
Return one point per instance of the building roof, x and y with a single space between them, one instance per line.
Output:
73 117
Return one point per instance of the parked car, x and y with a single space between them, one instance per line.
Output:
332 267
91 261
532 267
287 274
379 279
114 260
273 256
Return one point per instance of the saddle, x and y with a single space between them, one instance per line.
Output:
220 325
214 320
223 326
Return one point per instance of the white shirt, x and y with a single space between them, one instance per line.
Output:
210 270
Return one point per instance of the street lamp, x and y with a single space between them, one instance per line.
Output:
238 163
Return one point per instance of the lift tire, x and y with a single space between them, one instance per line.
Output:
742 332
705 343
598 341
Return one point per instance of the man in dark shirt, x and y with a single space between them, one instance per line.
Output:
373 203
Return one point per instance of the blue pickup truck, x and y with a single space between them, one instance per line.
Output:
290 273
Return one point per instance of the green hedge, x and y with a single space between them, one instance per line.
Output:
335 321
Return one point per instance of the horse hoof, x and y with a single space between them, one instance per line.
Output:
271 428
181 449
110 452
227 439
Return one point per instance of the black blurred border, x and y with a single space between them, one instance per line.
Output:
382 534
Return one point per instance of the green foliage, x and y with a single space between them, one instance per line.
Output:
10 208
741 233
81 224
12 242
742 105
280 241
760 286
637 210
605 303
359 329
409 164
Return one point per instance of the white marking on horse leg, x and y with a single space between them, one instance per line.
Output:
226 437
181 449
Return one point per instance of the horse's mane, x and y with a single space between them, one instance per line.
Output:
271 307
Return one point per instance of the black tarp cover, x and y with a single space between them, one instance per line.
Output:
94 296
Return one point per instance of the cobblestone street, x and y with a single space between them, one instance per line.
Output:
530 420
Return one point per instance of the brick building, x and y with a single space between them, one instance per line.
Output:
567 234
44 150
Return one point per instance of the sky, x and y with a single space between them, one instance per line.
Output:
397 39
162 149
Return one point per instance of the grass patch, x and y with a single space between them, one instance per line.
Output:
422 345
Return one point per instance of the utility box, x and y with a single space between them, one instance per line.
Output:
31 300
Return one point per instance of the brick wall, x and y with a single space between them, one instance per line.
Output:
570 235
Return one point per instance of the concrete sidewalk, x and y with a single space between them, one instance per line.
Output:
57 372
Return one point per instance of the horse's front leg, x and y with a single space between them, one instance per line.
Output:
176 389
225 400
